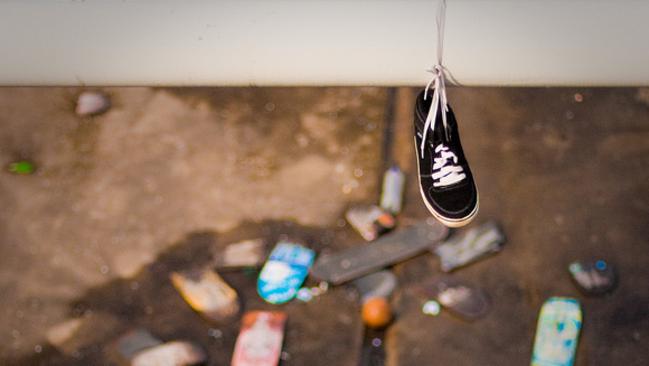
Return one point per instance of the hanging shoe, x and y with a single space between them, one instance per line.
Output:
445 179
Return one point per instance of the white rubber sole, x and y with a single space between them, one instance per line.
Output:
447 221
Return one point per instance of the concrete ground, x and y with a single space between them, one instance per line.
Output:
121 200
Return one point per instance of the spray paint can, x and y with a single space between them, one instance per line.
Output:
392 194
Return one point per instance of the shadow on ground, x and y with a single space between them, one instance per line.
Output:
149 300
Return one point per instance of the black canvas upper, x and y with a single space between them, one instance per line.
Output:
458 200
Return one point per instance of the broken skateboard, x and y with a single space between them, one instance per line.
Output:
593 277
138 347
207 293
557 332
473 244
362 259
244 254
284 272
260 340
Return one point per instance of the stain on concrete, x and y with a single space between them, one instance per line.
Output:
174 171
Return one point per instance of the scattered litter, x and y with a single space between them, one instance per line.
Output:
139 348
557 332
376 312
378 284
466 301
215 333
460 250
320 289
578 97
360 260
60 333
283 274
175 353
593 277
247 253
260 340
392 193
370 221
134 341
431 307
207 293
92 103
375 289
22 167
304 294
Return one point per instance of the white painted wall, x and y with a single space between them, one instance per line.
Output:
315 42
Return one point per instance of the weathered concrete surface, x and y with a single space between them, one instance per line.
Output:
113 192
122 199
567 180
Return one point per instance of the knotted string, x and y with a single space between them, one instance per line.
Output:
437 82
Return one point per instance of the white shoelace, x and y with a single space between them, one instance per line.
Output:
437 81
445 168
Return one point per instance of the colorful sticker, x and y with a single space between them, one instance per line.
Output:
284 272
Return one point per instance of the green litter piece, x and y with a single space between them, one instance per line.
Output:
22 167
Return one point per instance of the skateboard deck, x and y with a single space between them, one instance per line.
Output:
366 258
260 340
557 332
473 244
284 272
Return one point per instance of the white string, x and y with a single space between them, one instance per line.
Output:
437 81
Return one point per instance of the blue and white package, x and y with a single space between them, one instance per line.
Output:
284 272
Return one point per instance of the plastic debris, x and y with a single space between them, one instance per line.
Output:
59 334
244 254
284 272
431 307
260 340
370 221
378 284
557 332
376 312
134 341
477 242
92 103
22 167
593 277
207 293
175 353
578 97
360 260
392 194
464 300
304 294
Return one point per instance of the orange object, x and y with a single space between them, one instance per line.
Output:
376 312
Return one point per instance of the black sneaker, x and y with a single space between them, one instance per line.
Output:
445 180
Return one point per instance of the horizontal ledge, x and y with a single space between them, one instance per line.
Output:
274 43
